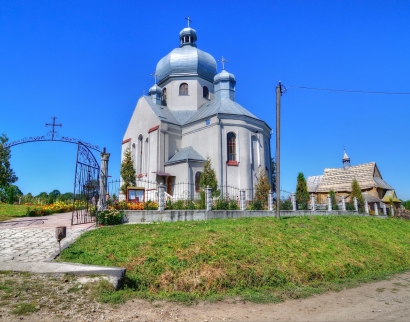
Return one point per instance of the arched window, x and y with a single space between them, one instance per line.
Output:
164 95
197 181
205 92
183 89
231 146
140 153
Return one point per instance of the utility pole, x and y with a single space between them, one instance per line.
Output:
278 94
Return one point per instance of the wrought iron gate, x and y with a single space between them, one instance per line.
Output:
86 186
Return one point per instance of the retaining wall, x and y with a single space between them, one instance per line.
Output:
141 216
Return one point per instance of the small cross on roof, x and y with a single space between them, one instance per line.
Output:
155 75
223 61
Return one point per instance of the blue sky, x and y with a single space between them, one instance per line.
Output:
88 62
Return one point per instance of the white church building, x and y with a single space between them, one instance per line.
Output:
190 115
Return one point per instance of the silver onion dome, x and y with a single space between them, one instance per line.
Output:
187 60
224 76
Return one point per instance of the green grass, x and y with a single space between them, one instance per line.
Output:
256 259
8 212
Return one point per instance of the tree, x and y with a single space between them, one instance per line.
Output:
333 200
302 194
13 193
356 192
262 188
208 178
127 171
52 196
273 175
7 175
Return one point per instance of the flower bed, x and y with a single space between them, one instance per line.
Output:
54 208
123 205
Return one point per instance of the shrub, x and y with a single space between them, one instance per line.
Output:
233 205
257 205
110 217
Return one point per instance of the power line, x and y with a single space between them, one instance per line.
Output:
348 91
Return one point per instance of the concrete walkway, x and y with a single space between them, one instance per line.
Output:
29 244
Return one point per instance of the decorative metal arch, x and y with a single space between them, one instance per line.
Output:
53 134
44 138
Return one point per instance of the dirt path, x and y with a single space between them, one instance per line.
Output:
387 300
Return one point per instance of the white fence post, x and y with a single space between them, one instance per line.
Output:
161 197
356 207
312 202
293 198
329 203
343 204
376 209
270 201
242 200
208 197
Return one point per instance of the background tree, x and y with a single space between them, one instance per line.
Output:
406 204
356 192
302 194
7 175
262 188
127 171
208 178
333 200
53 195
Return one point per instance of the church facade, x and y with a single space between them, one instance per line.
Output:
189 115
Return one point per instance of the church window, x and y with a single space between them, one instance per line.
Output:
183 89
140 153
164 97
205 92
231 147
198 181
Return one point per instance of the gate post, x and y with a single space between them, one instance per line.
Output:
102 202
343 204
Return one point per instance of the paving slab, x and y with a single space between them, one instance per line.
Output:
29 244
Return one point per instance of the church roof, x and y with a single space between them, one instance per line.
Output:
370 198
162 112
185 155
390 194
222 106
313 182
340 179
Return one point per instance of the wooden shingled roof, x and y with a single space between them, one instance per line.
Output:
340 179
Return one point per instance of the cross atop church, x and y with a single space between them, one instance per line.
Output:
188 19
53 125
155 75
223 61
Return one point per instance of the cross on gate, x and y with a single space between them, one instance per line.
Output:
53 125
223 61
189 20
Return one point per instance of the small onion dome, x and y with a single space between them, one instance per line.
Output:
224 76
155 90
187 36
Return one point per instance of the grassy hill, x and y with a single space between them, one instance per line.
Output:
257 259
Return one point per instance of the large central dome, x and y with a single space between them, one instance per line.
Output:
187 60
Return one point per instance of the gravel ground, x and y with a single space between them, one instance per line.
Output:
56 297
